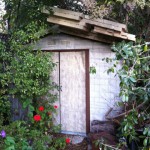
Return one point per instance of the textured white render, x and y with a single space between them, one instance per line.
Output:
104 89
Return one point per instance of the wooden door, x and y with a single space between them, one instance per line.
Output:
72 96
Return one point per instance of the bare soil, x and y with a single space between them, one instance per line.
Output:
81 146
76 145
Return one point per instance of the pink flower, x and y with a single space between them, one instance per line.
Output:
55 106
67 140
41 108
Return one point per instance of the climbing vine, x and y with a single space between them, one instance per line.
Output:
27 91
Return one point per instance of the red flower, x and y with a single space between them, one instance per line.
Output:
68 141
55 106
41 108
37 117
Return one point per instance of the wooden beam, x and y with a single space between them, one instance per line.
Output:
74 13
99 24
64 14
69 16
107 22
129 36
66 22
89 35
107 32
87 90
114 33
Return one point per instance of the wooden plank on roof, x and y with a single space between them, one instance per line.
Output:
67 23
68 12
69 16
113 33
95 23
108 32
131 37
107 22
113 23
92 27
64 14
88 35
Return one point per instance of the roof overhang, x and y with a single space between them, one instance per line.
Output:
78 24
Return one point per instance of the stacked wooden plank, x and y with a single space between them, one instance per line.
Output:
88 26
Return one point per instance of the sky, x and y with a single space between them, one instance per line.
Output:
1 8
2 12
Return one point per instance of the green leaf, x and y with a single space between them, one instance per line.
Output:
26 103
135 121
145 141
125 128
145 48
138 61
30 114
130 126
132 79
92 70
145 131
12 147
126 68
31 108
97 143
9 140
149 132
125 98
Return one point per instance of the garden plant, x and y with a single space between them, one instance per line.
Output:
27 92
26 74
134 75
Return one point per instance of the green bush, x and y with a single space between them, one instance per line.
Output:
22 136
134 75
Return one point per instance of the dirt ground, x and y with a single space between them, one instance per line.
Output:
77 142
81 146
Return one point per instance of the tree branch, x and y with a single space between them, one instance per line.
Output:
123 114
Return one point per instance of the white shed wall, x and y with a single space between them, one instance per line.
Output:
104 89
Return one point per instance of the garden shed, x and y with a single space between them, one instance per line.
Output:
81 43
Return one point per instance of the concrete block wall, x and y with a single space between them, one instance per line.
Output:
104 88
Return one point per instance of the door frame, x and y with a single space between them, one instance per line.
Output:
87 80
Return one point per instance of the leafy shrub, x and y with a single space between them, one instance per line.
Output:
20 135
134 88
